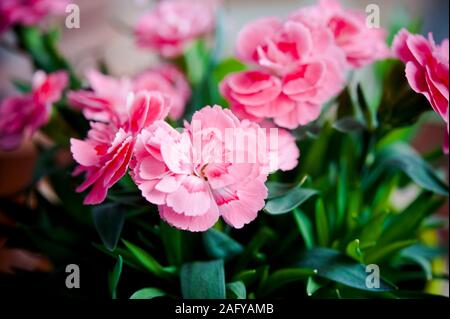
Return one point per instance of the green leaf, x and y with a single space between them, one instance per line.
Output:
236 290
305 227
349 125
405 225
380 253
221 246
335 266
21 86
289 201
283 277
422 256
148 293
226 67
277 189
114 277
322 224
173 243
149 263
312 286
402 157
354 250
196 59
203 280
108 220
261 238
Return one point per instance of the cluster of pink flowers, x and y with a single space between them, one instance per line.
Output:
301 62
22 115
427 69
172 24
28 12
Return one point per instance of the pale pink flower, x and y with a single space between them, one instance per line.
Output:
22 115
169 80
362 44
172 24
193 186
427 67
28 12
106 153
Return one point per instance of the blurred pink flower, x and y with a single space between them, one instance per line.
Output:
106 153
171 24
169 80
22 115
28 12
107 100
427 67
361 43
194 186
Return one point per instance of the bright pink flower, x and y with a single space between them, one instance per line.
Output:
169 26
106 153
291 101
427 67
28 12
195 176
362 45
169 80
21 116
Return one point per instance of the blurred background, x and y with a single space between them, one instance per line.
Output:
106 36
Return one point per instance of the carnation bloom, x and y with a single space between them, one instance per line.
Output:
28 12
107 99
427 67
301 69
361 44
195 176
105 154
169 80
171 24
22 115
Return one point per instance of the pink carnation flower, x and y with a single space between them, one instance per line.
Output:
427 67
293 100
106 153
195 177
21 116
302 69
169 80
106 102
28 12
362 44
172 24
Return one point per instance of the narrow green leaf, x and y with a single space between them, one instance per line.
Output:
203 280
114 277
221 246
354 250
292 199
322 224
305 227
349 125
335 266
312 286
148 261
108 220
380 253
283 277
148 293
236 290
